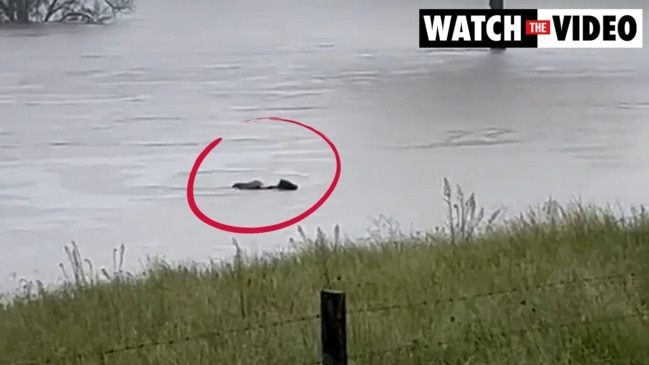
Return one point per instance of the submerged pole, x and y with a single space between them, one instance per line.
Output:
497 5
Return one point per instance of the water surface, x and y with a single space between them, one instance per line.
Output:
99 126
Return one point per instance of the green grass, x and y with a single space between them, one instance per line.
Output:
555 286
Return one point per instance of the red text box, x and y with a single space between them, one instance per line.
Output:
535 27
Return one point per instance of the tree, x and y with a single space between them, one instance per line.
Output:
37 11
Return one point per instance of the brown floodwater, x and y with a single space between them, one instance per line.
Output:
100 125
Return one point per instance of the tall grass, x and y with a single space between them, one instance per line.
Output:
557 285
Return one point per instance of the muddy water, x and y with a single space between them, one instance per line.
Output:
99 126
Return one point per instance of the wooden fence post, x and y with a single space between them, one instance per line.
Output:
333 325
497 4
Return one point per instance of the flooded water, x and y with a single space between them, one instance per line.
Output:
99 126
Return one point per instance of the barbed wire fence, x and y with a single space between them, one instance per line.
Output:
441 345
333 315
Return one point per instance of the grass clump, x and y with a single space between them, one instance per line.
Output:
554 286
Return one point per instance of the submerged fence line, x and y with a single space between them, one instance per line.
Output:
487 294
333 314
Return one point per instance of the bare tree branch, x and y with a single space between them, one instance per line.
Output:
54 10
74 14
4 7
50 10
97 11
117 8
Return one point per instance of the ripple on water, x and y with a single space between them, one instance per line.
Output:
290 173
99 55
595 152
153 117
601 157
226 170
583 149
468 138
162 144
550 72
634 106
247 139
10 146
358 76
295 108
7 198
83 73
293 93
303 153
245 108
63 144
234 66
68 99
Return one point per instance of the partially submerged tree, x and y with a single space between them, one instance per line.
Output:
37 11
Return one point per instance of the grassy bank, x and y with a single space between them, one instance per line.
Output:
553 287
